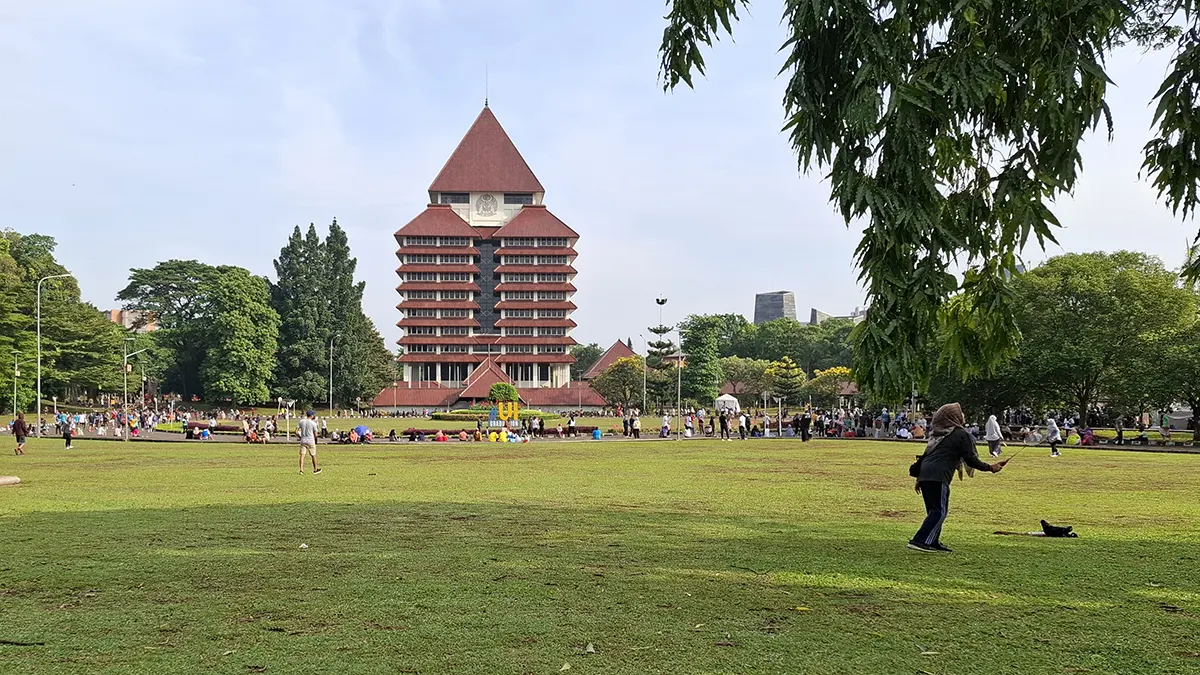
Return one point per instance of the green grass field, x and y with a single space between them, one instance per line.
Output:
695 557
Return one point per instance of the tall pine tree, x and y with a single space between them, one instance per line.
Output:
362 362
301 371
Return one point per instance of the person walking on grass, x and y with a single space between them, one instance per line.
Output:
992 435
949 447
307 431
67 428
20 429
1053 436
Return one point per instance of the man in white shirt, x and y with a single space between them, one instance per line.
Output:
306 430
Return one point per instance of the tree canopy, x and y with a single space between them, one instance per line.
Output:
948 129
586 356
621 383
503 392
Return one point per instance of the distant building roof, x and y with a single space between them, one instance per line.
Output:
415 395
486 161
618 351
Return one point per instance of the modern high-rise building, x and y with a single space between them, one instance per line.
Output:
486 273
775 305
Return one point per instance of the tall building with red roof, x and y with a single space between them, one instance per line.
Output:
486 271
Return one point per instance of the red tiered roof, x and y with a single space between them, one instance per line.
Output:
437 304
535 358
408 268
530 286
549 323
529 340
442 286
480 381
436 340
534 269
619 350
567 397
437 220
437 250
415 394
541 250
434 321
535 220
535 304
440 358
486 160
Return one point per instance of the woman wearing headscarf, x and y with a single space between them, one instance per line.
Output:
1053 436
949 447
993 436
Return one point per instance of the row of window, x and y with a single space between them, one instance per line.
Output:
438 276
535 260
434 330
530 295
528 331
530 314
436 295
466 313
485 349
528 242
521 198
437 241
511 331
439 259
438 313
530 278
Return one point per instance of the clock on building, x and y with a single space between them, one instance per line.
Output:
486 205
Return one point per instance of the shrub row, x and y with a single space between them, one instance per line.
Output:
470 415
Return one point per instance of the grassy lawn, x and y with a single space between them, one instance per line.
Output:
696 557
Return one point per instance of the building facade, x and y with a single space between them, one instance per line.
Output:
775 305
486 272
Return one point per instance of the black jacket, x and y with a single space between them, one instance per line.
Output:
941 464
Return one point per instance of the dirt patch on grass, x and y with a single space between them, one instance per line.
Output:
893 514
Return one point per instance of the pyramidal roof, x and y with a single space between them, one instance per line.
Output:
619 350
486 161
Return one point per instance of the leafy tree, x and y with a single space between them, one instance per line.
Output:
787 379
245 330
979 395
746 377
1180 369
503 392
701 377
825 387
81 349
949 129
621 383
176 293
1091 323
586 356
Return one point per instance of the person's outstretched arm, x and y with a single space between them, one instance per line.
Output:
971 456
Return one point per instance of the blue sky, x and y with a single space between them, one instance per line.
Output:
135 131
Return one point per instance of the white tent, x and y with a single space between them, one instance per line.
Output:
727 402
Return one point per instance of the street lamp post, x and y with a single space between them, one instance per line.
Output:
779 413
37 407
766 427
125 371
644 371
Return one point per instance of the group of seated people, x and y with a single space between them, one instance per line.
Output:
498 435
